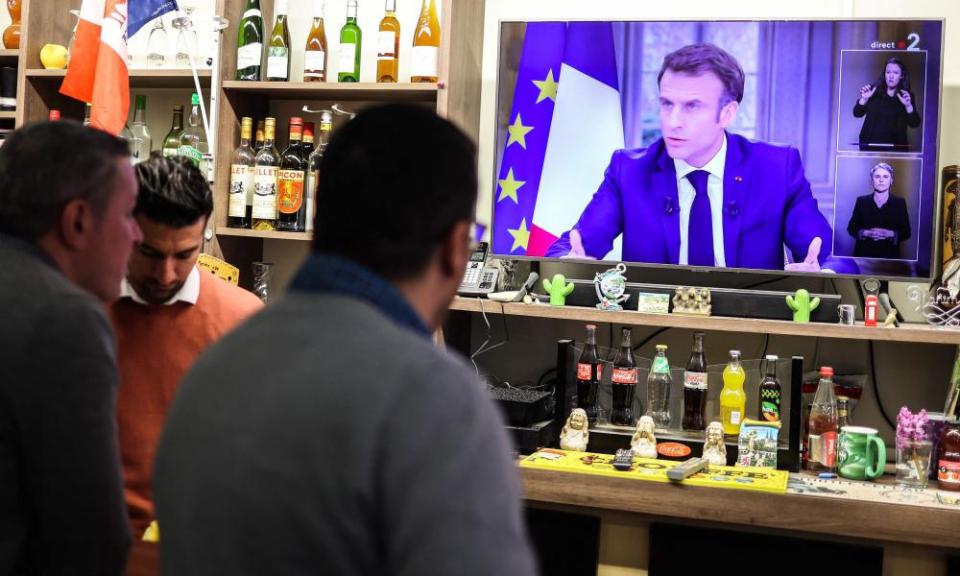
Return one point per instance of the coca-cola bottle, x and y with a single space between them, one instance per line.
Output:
589 370
822 426
624 381
658 389
695 387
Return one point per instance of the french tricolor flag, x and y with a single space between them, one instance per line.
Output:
564 125
98 65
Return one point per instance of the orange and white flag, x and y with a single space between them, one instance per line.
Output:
98 65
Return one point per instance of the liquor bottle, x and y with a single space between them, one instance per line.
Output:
951 407
388 44
315 53
264 213
127 136
142 140
240 205
843 412
193 140
624 380
250 42
258 142
171 142
348 63
290 203
426 44
822 426
771 393
589 371
306 147
278 55
695 387
54 115
310 177
948 457
659 383
86 114
733 400
313 169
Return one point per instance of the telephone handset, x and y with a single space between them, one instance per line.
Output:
479 278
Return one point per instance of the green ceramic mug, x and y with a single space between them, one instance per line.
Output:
861 453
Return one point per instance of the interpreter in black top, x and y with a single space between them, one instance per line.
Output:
889 111
880 222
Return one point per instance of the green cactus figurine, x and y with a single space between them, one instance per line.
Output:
802 305
558 289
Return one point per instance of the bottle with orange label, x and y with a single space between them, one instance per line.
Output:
290 204
948 457
624 379
589 370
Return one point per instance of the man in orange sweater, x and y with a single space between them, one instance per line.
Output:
169 311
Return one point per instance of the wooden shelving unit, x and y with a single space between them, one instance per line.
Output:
9 57
265 235
139 78
919 333
8 114
333 91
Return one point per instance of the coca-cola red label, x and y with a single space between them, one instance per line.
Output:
624 376
948 471
823 448
696 380
584 371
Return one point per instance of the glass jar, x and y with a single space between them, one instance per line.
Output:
913 462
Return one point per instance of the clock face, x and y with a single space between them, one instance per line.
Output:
871 285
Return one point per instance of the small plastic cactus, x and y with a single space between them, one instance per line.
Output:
558 289
802 305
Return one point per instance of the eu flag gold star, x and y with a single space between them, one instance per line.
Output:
518 133
521 235
509 187
548 88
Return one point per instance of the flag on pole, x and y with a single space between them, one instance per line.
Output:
142 12
567 89
83 59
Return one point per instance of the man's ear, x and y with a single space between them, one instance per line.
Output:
76 224
455 250
728 113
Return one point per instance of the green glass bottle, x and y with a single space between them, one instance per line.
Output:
171 142
250 42
350 42
278 55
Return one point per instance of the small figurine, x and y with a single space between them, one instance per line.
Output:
714 450
692 301
611 288
575 435
802 305
891 320
644 443
558 289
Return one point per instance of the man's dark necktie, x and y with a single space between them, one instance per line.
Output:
700 225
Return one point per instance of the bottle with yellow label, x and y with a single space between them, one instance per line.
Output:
733 400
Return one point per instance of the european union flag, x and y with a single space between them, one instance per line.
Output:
142 12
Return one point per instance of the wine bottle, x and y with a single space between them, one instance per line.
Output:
241 179
142 140
350 41
388 44
315 53
264 211
250 42
278 55
171 142
313 169
426 44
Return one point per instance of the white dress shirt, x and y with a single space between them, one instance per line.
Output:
687 193
189 292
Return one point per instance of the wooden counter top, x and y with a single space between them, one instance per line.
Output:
842 516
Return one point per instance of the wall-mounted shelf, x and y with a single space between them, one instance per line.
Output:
334 91
139 78
8 114
266 235
905 333
9 57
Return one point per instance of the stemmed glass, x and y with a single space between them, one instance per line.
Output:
186 38
157 45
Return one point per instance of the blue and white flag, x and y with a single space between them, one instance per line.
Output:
142 12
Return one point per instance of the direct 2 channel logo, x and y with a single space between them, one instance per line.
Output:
912 42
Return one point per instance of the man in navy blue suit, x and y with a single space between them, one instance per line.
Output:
701 196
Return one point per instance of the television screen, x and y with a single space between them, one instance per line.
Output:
802 146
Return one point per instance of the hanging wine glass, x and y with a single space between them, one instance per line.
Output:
186 38
157 45
73 34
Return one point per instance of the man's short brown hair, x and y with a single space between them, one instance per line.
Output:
697 59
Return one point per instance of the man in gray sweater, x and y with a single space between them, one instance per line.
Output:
66 229
328 435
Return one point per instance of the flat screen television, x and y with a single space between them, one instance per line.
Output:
798 146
